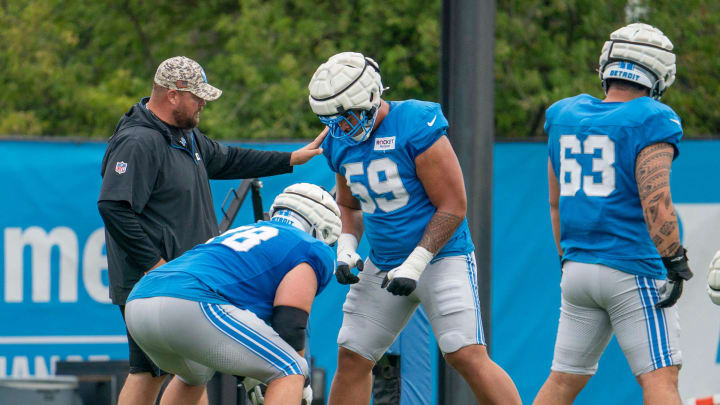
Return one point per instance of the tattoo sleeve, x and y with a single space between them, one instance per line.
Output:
652 173
438 231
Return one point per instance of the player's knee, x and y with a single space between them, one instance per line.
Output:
369 349
569 380
351 362
661 378
453 341
467 357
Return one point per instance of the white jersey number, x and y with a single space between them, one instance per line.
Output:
244 238
392 184
602 164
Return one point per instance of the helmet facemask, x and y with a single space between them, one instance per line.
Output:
359 124
345 94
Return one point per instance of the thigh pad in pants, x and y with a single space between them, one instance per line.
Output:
598 301
373 317
193 340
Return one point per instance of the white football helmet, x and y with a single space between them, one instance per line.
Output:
314 205
347 88
639 53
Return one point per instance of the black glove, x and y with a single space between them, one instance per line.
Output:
677 272
399 285
344 275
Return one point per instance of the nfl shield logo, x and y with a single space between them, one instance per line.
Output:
120 167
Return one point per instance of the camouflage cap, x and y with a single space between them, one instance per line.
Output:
184 74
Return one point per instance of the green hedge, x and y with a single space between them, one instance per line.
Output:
74 67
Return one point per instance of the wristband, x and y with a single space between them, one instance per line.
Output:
347 241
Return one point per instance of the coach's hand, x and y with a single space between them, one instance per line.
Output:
677 272
347 259
402 280
713 279
309 151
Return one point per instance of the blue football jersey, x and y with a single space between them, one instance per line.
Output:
593 146
242 267
381 175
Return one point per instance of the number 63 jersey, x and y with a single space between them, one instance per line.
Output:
593 146
381 175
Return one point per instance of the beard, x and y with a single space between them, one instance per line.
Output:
183 120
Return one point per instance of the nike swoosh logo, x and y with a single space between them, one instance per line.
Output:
675 121
431 123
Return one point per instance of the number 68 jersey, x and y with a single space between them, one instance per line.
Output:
242 267
593 146
381 175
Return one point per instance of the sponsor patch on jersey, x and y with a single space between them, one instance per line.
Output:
385 143
120 167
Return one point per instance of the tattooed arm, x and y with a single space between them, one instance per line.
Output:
652 173
439 171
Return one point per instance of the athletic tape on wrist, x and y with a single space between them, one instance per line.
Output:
418 261
347 241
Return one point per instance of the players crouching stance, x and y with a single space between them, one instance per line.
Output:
397 172
239 303
614 222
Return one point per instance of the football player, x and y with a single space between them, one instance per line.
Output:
614 223
239 303
399 183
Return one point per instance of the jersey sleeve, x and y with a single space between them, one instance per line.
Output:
430 125
322 260
130 168
662 127
327 146
553 145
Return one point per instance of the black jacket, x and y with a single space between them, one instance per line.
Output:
155 197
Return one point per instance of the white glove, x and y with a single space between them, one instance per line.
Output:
347 259
307 395
402 280
254 390
713 278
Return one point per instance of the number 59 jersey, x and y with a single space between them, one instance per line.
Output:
242 267
381 175
593 146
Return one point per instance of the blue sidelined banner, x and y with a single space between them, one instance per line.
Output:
54 301
54 287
